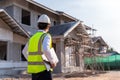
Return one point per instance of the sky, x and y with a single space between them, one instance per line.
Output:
103 15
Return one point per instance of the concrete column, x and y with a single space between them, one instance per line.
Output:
81 63
17 13
34 18
77 60
81 59
61 21
13 51
60 53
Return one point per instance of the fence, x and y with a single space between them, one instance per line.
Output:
108 63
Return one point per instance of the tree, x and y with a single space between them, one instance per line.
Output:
110 50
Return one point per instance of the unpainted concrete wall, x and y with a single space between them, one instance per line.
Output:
9 10
13 51
5 32
19 39
14 42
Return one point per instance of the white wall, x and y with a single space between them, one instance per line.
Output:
13 51
5 32
69 56
14 42
19 39
18 14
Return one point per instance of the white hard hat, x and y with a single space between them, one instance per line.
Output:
44 19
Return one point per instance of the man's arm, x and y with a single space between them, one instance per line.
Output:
25 51
47 51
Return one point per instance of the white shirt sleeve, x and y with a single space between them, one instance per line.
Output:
25 51
46 48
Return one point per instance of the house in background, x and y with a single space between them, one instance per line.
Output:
100 45
68 41
96 44
18 21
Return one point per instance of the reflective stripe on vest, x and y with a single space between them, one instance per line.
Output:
35 61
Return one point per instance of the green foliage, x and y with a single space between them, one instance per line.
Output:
110 50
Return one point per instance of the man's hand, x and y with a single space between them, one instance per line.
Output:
53 65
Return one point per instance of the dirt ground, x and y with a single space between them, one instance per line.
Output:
109 75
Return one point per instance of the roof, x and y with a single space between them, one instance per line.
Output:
64 29
30 30
66 15
42 6
51 10
56 31
12 23
99 38
89 28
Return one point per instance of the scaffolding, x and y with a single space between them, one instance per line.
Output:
91 63
83 48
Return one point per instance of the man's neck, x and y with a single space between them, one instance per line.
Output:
42 30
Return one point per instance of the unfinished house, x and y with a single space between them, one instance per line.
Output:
96 44
100 46
12 38
68 41
91 47
18 21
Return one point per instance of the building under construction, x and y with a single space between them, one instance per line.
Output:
18 21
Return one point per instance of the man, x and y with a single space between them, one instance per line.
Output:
40 59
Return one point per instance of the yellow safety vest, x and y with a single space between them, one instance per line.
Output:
35 61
